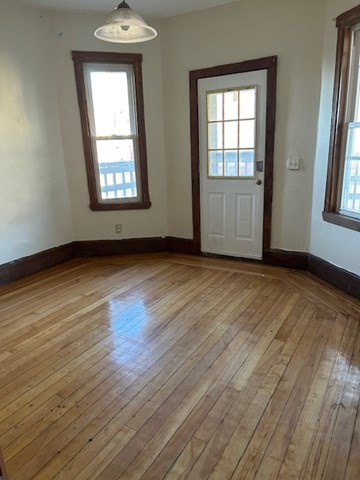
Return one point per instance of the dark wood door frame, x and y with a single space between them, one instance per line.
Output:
270 65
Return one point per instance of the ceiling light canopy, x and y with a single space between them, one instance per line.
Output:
124 25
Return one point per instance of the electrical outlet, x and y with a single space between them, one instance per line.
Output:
118 228
293 161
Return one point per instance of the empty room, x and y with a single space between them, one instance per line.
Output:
180 240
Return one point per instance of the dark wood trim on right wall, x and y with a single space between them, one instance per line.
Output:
287 259
338 277
332 212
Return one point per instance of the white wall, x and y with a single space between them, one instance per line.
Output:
337 245
75 32
244 30
34 205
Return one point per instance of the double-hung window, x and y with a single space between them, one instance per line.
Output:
110 95
342 202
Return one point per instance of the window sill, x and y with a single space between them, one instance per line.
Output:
103 207
342 220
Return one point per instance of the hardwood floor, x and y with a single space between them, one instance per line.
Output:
171 367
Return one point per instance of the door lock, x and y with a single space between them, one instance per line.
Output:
258 182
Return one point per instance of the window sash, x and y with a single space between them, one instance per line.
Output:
342 115
346 180
351 174
113 60
353 84
88 70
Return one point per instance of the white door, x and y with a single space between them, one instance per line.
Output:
232 121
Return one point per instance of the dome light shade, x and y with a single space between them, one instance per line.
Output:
124 25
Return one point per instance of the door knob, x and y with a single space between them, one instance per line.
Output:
258 182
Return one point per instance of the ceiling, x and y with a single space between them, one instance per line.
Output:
146 8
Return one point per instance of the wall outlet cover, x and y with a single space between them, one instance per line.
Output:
293 161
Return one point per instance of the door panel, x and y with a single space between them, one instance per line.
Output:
244 217
216 214
232 141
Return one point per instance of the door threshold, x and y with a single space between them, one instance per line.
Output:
231 257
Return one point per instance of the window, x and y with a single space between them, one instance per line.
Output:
231 131
342 201
109 87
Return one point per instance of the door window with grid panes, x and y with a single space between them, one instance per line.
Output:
231 132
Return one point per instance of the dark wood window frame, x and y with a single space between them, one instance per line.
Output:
344 24
80 58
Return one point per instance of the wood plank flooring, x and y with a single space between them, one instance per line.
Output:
174 367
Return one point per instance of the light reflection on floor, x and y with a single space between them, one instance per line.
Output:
133 321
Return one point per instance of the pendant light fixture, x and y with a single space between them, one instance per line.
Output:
124 25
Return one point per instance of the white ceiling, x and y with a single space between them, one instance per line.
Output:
146 8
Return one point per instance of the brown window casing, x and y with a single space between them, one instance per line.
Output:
80 58
344 24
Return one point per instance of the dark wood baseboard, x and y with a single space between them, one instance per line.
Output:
338 277
94 248
37 262
288 259
280 258
181 245
346 281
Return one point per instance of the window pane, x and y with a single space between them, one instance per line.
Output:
231 105
351 184
231 162
355 77
110 98
231 134
215 107
247 134
247 103
216 135
216 164
247 163
116 164
357 102
231 138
